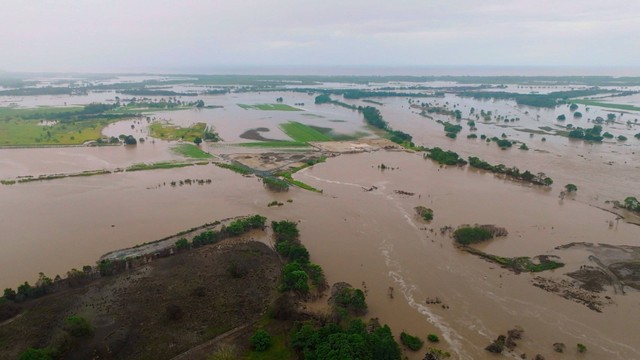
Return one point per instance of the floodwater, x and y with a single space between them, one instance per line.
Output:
370 239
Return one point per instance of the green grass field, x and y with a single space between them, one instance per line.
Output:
191 151
274 144
158 165
606 105
270 107
165 131
20 132
303 133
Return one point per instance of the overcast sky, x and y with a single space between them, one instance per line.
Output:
163 35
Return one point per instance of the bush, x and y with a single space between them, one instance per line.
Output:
285 231
38 354
581 348
182 244
433 338
425 213
78 326
412 342
275 184
260 340
470 235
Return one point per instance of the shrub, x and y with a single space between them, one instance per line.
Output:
412 342
469 235
182 244
433 338
78 326
581 348
260 340
37 354
425 213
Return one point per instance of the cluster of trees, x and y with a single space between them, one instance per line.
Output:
75 327
274 184
235 228
354 340
538 179
471 234
631 203
298 270
537 100
326 99
444 157
27 291
450 129
592 134
424 212
412 342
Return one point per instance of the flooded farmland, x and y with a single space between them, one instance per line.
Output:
362 227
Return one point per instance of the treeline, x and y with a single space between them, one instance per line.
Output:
549 100
235 228
74 277
444 157
299 272
373 117
151 92
47 90
343 336
538 179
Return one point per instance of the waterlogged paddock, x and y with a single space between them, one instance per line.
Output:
371 239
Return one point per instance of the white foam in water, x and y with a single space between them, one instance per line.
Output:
449 335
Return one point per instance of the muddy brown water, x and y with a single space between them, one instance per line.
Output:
357 236
365 238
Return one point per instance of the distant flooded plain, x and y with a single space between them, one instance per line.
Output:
371 239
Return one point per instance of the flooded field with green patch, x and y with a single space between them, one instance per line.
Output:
360 221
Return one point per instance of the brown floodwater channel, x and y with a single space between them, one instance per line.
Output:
371 239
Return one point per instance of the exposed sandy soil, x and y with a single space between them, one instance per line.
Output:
356 146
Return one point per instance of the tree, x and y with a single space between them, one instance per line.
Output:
412 342
197 141
260 340
9 294
561 117
294 278
130 140
631 203
571 188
